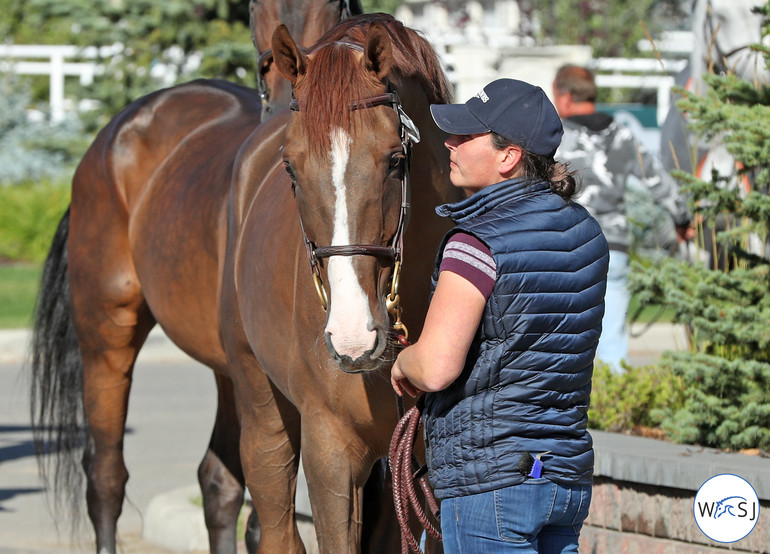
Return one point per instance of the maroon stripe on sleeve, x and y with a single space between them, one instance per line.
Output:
470 258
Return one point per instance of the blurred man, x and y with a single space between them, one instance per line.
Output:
608 158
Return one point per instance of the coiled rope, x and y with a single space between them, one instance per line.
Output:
404 469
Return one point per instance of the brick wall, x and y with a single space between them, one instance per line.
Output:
632 517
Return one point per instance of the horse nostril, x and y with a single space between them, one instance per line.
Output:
351 345
362 359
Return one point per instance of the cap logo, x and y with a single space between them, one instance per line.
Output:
483 96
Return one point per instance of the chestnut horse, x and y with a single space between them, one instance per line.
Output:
321 196
117 267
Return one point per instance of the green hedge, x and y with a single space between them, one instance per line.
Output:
639 398
18 291
29 214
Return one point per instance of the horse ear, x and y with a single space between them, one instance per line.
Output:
378 51
291 63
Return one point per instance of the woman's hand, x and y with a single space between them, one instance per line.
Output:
437 358
401 383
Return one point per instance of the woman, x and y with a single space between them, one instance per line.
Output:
506 352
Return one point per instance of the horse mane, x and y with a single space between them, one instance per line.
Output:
333 81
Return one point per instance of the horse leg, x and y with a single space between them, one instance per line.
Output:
253 532
380 531
112 321
270 458
220 474
106 386
337 467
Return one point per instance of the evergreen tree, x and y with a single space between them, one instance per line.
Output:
727 309
611 27
31 149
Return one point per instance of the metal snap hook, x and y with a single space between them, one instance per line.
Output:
394 282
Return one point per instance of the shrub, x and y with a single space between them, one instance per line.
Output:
30 149
29 214
727 402
640 397
18 291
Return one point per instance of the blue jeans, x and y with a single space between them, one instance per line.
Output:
613 343
536 516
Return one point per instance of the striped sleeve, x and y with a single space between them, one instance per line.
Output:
470 258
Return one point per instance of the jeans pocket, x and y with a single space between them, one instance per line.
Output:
522 510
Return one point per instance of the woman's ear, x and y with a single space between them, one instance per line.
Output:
510 160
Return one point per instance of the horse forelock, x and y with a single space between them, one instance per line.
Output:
335 75
332 82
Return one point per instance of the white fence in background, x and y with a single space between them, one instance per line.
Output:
60 62
54 61
640 73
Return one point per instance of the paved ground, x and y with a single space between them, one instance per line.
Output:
651 342
171 413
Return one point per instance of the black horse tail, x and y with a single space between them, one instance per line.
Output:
56 392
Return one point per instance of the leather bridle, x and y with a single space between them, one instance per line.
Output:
409 135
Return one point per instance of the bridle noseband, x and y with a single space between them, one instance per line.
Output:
409 135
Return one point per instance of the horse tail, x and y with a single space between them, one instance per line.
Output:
56 393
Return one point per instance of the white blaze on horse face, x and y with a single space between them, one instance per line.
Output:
349 321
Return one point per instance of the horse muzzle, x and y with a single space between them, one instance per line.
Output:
354 355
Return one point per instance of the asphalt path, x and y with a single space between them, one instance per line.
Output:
171 414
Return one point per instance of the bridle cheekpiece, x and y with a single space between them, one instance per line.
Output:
410 135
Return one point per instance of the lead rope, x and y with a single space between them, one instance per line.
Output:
405 471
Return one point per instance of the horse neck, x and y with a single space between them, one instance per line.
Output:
430 158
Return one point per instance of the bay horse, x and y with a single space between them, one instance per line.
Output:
182 215
115 270
308 19
315 241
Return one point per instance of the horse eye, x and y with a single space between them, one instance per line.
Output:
397 161
287 167
265 68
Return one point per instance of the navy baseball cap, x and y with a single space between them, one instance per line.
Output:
516 110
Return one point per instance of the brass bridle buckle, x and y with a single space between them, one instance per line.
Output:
320 290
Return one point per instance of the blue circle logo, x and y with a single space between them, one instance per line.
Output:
726 508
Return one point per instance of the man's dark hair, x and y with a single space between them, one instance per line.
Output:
578 81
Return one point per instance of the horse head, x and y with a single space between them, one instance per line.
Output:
307 20
724 31
347 162
347 151
724 507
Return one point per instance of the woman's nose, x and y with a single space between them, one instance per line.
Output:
452 141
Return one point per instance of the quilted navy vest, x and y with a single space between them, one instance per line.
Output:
526 384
